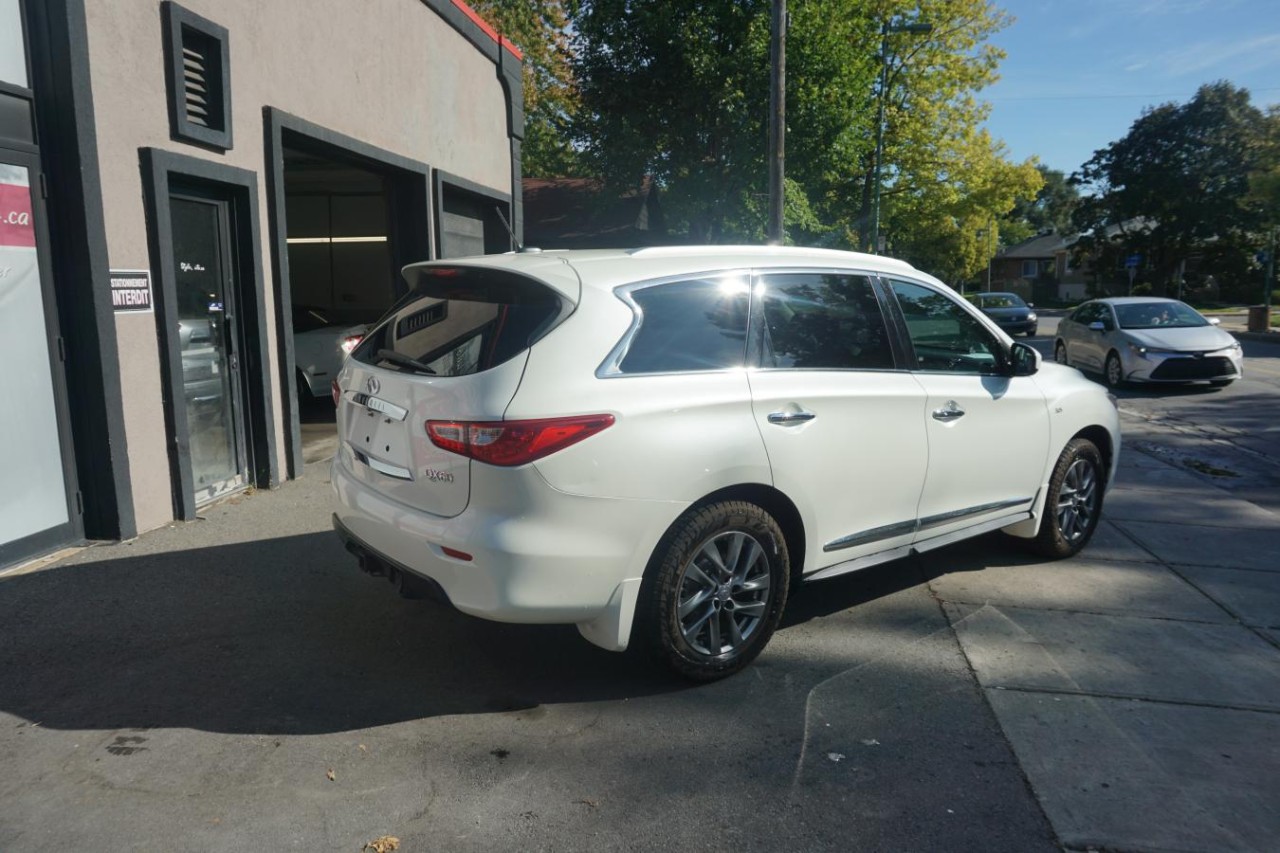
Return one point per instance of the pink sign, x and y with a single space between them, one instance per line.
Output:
17 228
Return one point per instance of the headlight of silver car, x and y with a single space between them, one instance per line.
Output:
1139 351
1031 316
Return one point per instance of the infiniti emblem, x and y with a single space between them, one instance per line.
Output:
373 385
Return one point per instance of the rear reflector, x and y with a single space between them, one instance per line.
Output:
456 554
510 443
336 392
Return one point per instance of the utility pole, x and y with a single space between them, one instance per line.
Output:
1269 281
777 120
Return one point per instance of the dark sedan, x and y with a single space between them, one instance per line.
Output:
1008 310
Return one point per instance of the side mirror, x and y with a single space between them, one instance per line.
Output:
1097 326
1024 359
1214 321
1031 305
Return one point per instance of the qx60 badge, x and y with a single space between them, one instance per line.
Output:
373 385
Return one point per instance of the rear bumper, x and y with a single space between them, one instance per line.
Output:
538 556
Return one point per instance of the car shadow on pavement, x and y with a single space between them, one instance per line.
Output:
279 636
818 599
285 636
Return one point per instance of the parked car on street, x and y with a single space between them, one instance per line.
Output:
320 343
656 445
1144 339
1009 311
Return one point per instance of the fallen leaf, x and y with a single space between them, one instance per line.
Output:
331 775
835 756
385 844
588 802
364 748
871 742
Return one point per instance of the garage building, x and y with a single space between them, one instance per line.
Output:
181 184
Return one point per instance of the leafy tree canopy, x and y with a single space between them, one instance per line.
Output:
1177 182
680 91
540 29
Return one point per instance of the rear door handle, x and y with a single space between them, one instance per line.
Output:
950 412
784 418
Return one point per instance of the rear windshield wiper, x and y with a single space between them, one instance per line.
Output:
404 361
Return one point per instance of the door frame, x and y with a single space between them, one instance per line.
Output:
239 187
72 529
409 223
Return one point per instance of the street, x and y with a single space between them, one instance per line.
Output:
235 683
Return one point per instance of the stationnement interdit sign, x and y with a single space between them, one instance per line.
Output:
131 290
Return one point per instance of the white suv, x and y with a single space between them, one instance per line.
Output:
656 444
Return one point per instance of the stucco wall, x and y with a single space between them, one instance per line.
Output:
390 73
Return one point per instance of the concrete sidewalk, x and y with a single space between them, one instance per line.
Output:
1139 684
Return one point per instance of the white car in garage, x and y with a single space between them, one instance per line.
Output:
656 445
320 344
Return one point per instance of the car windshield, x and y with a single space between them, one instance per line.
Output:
1003 300
1158 315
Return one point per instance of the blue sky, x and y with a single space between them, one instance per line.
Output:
1079 72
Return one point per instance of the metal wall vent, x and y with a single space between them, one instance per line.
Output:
201 79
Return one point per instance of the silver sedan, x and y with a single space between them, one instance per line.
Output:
1147 339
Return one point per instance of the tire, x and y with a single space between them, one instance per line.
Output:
1074 503
1032 333
303 391
726 566
1113 371
1060 354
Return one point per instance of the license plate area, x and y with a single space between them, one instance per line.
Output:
381 442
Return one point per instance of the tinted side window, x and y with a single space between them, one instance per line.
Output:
823 321
944 335
689 325
1086 313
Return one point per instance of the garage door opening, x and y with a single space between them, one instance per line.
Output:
343 275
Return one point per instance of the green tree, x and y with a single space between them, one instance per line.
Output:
1049 209
540 29
1175 184
679 91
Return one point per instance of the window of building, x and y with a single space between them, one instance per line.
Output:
198 75
823 321
1030 269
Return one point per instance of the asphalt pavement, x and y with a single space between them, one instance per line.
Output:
234 683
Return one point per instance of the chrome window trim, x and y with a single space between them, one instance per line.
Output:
610 368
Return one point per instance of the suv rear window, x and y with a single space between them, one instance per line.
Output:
460 321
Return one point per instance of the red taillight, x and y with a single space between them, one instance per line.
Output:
514 442
336 392
350 343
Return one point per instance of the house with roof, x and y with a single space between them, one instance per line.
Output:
581 213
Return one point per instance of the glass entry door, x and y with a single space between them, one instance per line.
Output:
35 509
209 343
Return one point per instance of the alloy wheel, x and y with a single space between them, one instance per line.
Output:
724 593
1114 376
1077 500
